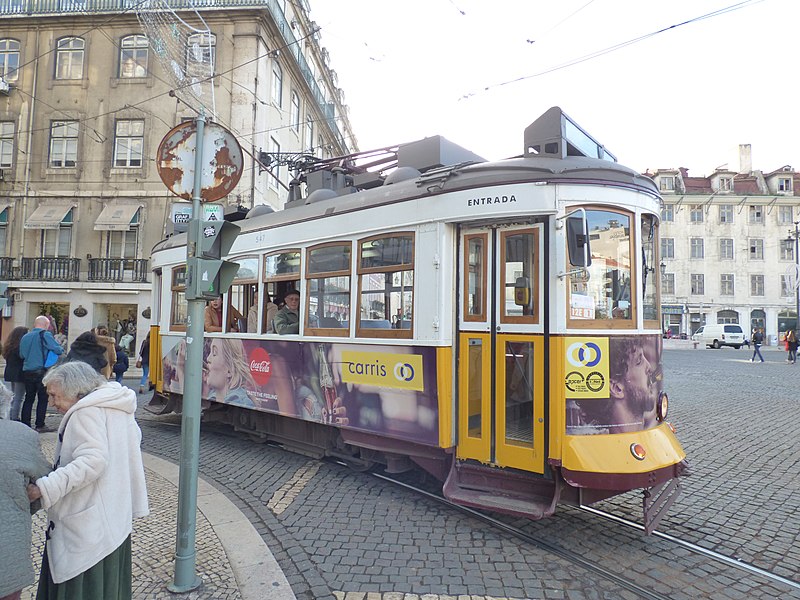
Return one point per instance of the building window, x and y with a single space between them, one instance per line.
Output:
667 248
725 184
756 249
309 134
295 112
6 144
727 316
785 215
726 213
726 249
696 214
122 244
786 288
56 243
787 249
784 184
128 144
277 83
69 58
698 287
133 57
757 214
201 55
697 248
756 285
63 144
666 183
668 213
668 281
3 231
9 60
726 284
274 149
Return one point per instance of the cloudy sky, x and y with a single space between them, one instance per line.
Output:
479 71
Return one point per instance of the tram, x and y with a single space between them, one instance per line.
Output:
495 324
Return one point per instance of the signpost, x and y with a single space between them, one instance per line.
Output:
203 162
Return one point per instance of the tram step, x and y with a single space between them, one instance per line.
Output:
500 490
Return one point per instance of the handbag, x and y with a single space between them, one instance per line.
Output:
139 364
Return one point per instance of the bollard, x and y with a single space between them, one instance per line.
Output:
694 344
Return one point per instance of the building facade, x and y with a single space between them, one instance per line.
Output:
729 248
84 105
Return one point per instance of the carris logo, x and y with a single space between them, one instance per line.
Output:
403 372
260 366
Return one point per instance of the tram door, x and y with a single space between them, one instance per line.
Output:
501 347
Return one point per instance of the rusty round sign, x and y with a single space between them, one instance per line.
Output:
222 161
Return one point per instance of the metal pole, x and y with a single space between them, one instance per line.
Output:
186 578
797 273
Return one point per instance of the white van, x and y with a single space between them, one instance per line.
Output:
716 336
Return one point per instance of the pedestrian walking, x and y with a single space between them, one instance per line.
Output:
87 349
109 343
35 348
791 346
95 492
21 461
144 362
121 365
13 371
757 339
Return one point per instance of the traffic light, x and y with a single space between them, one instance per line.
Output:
3 293
208 275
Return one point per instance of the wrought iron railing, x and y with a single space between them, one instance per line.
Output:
118 269
10 8
6 268
50 269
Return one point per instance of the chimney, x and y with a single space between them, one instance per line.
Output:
745 159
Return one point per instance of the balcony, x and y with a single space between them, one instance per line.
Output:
50 269
118 269
6 268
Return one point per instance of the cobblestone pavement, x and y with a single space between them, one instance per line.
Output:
153 547
349 536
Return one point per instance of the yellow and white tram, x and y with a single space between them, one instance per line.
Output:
494 323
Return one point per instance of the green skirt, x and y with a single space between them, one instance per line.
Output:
110 579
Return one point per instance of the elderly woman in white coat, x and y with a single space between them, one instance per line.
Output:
21 461
95 491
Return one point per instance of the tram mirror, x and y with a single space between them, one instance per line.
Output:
522 291
580 254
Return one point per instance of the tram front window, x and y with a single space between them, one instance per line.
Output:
604 290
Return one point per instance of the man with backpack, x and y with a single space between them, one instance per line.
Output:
37 349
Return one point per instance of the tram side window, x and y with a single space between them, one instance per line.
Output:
650 271
328 278
386 286
180 307
281 274
606 293
241 296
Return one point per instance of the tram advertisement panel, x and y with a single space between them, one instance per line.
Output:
390 390
612 384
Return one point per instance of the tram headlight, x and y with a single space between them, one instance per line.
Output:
662 406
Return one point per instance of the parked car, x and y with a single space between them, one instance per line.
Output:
717 336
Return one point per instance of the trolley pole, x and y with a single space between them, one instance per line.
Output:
186 578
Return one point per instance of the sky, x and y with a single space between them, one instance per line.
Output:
473 71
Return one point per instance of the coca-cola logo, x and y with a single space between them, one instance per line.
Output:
260 366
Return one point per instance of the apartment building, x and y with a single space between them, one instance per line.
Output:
84 105
729 248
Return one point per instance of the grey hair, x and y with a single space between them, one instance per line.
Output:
76 379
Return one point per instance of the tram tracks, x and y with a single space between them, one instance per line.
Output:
594 567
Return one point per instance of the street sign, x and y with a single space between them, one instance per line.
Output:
222 161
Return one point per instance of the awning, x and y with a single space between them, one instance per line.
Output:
48 216
116 217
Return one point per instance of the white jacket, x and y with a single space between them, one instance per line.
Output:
98 487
